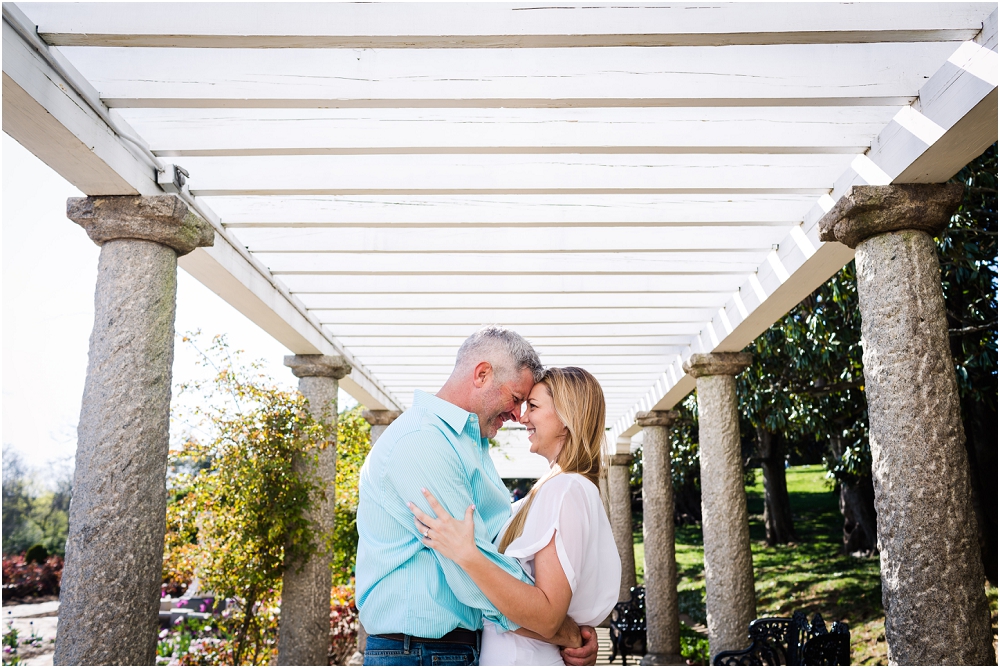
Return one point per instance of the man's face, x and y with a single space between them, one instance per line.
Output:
503 403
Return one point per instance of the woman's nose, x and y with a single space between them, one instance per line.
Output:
523 417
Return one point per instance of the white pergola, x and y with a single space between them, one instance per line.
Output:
623 185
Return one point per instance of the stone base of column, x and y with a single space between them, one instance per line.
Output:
663 660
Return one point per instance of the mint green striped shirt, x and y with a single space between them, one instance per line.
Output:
401 585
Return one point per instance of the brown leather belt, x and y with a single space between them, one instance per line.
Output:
458 636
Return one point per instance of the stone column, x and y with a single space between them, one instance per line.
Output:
730 600
663 625
932 571
109 601
379 420
620 505
304 629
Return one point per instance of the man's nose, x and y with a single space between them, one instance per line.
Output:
516 412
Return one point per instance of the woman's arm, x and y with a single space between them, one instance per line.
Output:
540 608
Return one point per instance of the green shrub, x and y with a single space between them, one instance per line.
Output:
36 554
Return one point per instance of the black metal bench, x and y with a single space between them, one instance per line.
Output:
778 641
628 626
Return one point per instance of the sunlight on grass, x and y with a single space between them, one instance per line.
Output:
811 575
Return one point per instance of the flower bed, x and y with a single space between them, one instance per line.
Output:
23 580
209 642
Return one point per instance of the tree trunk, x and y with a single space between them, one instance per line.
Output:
778 523
981 445
857 504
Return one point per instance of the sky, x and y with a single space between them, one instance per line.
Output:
49 273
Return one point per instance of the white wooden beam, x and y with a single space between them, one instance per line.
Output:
512 210
252 132
682 263
48 118
451 174
524 302
741 76
487 314
498 239
529 330
485 282
478 25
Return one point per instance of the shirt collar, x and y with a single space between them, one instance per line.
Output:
455 417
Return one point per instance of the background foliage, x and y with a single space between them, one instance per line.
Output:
34 514
240 510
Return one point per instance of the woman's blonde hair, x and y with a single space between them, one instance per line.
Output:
579 403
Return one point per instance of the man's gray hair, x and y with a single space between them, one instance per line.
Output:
503 348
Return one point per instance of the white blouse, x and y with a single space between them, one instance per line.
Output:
569 506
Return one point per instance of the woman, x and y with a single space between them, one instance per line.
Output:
559 532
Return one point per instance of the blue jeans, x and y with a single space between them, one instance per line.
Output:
385 652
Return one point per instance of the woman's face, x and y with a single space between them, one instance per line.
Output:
546 431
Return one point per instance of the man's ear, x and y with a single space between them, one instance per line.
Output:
482 375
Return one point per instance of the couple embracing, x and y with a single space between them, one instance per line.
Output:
448 572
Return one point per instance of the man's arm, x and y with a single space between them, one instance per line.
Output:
439 470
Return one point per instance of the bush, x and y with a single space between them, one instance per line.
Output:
36 554
23 579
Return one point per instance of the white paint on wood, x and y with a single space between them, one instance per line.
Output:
193 132
457 25
687 263
731 76
507 210
500 240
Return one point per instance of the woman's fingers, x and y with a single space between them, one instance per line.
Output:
421 515
435 506
468 513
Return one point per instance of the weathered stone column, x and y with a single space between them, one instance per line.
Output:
730 600
379 420
620 505
932 571
663 625
304 629
109 602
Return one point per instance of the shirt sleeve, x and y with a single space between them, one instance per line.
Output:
561 508
439 469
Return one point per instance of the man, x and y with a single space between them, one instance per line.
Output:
416 605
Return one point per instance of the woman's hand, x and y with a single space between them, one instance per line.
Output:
453 539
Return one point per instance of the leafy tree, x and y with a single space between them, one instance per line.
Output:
968 254
353 445
33 514
246 504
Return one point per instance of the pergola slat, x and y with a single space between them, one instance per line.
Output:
402 25
781 75
246 132
578 210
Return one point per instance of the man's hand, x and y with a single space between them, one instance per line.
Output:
586 655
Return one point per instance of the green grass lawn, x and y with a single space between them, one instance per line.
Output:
811 575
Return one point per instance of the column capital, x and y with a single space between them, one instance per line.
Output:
717 364
621 459
383 418
328 366
868 211
164 219
656 418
